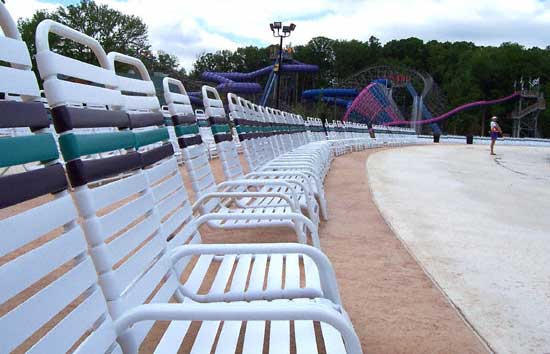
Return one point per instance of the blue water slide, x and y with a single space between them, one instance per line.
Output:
237 82
338 96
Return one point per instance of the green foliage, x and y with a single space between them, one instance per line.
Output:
465 72
244 59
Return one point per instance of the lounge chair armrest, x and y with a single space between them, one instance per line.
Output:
267 311
309 173
304 186
257 183
206 197
296 217
327 276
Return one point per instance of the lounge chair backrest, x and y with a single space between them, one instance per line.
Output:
271 147
222 131
143 107
265 142
17 81
68 81
18 78
50 298
138 93
194 149
274 139
248 128
120 217
213 105
159 163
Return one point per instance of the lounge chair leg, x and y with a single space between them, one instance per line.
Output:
324 208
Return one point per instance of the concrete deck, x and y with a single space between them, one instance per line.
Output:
480 226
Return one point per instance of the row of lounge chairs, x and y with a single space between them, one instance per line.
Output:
100 239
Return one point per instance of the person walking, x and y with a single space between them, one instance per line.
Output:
495 130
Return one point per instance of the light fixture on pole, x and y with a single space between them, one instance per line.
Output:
282 32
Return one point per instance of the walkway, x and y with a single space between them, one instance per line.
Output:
481 228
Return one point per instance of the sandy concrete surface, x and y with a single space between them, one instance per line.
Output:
480 226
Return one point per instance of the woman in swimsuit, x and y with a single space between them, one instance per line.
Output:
495 130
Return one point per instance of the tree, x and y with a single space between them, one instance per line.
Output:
166 63
221 60
319 51
350 57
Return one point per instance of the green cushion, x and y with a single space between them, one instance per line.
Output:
191 129
152 136
24 149
74 146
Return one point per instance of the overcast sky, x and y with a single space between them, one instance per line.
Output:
187 28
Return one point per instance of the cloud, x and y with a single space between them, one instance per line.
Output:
188 28
26 8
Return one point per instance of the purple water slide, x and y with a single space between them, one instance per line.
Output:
455 111
234 82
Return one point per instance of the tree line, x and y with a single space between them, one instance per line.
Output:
464 71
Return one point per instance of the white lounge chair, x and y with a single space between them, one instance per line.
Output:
130 245
263 145
204 185
233 169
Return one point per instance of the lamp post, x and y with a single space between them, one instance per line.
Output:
282 32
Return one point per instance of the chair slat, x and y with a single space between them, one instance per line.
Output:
229 336
196 277
101 340
223 274
238 283
205 337
110 193
20 323
161 170
165 293
73 326
14 51
306 343
175 221
166 187
131 239
53 64
279 337
333 340
257 275
128 84
118 219
18 82
172 337
64 92
311 273
27 269
275 273
46 218
254 337
172 202
144 286
141 103
292 271
139 262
